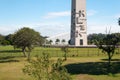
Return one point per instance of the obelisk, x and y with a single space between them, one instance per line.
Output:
78 23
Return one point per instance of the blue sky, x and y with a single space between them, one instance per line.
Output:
52 17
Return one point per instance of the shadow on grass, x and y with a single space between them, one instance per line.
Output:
7 59
10 51
111 60
93 68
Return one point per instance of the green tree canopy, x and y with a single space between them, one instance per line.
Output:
50 41
26 38
63 41
119 21
9 38
1 38
43 68
108 44
57 41
93 37
5 42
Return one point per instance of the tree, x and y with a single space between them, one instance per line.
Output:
57 41
119 21
26 38
38 68
108 44
9 38
1 38
69 42
50 41
93 37
63 41
59 72
65 50
43 68
5 42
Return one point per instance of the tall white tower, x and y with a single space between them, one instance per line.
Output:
78 23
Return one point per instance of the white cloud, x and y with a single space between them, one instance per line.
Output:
5 30
91 12
65 13
101 28
52 28
45 28
57 14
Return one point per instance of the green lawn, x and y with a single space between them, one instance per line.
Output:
82 63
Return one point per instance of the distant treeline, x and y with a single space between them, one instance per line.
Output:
7 40
92 38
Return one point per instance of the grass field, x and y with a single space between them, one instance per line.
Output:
82 63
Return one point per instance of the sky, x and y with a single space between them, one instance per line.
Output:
52 17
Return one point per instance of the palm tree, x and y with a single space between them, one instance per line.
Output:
63 41
57 41
50 42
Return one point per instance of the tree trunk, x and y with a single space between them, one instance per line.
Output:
28 56
29 50
23 50
65 56
109 62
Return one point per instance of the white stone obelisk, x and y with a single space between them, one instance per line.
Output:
78 23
